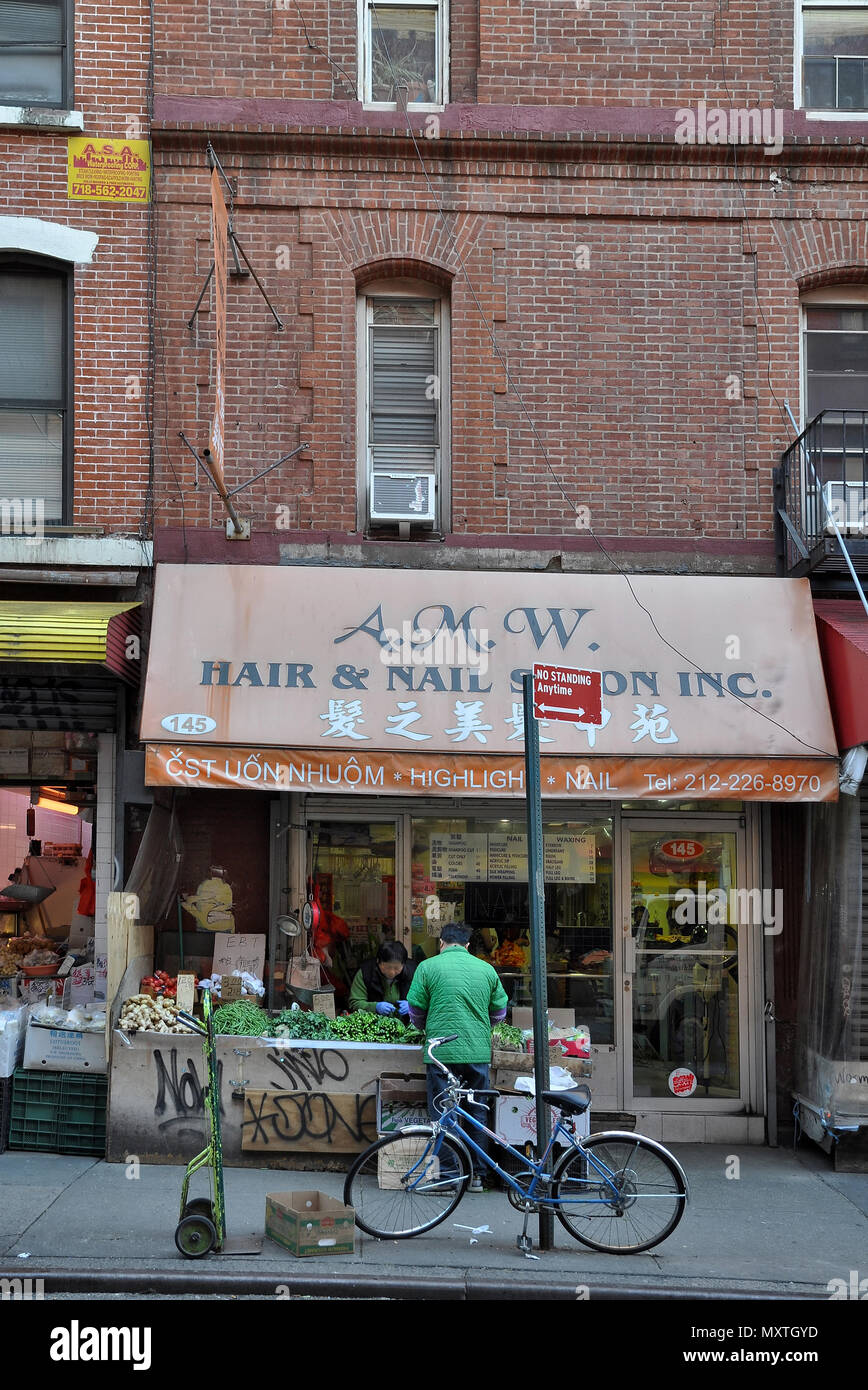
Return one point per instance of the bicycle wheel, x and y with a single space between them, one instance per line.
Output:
396 1188
636 1202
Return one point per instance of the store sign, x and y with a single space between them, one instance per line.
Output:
681 851
108 171
366 774
233 951
418 664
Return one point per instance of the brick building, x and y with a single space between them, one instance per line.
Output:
75 463
548 277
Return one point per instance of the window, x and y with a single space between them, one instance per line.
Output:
34 391
404 53
403 404
835 57
34 53
835 376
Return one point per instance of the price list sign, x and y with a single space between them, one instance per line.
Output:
459 858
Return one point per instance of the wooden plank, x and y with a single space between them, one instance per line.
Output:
307 1122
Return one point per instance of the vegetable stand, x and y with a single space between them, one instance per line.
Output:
202 1224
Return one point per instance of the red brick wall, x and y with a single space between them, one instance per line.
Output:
624 364
512 51
111 308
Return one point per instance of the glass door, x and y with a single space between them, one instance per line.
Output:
683 998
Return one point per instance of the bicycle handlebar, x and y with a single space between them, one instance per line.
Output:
438 1042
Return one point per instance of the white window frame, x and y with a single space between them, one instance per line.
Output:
833 114
834 297
409 289
365 54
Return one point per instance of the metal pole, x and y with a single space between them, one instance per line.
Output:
537 911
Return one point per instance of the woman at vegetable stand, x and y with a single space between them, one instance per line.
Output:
381 985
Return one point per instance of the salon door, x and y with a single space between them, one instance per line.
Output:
682 969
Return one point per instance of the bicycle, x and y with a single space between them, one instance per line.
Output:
407 1183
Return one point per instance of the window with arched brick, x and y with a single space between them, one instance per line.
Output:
403 419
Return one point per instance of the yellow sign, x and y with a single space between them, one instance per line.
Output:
109 171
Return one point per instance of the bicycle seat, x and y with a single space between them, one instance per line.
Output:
577 1105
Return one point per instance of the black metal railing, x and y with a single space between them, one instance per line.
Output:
824 471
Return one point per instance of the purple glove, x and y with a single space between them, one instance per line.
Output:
384 1008
404 1008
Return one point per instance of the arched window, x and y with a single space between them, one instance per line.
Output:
403 424
35 390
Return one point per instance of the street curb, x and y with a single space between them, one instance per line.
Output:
458 1288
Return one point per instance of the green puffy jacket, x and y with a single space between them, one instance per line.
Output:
460 994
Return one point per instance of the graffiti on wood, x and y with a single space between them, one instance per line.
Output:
307 1121
183 1090
307 1067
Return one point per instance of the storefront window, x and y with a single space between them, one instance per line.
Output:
353 880
475 870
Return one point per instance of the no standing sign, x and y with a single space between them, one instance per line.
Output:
564 692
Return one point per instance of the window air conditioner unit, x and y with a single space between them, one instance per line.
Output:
848 503
403 496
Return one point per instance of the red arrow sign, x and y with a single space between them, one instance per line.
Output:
564 692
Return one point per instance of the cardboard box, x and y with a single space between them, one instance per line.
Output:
393 1163
401 1100
60 1049
561 1018
515 1121
310 1223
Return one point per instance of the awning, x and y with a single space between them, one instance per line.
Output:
842 627
80 634
410 682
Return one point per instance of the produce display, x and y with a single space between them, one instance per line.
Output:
41 958
507 1037
141 1012
293 1023
162 984
242 1018
380 1028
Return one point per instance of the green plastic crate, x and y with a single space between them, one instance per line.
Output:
34 1110
58 1112
81 1120
5 1111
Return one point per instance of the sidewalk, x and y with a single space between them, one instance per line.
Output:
784 1227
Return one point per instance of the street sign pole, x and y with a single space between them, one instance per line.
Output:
536 905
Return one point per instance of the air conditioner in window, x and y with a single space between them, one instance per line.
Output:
848 503
403 496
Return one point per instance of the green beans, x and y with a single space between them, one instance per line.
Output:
242 1019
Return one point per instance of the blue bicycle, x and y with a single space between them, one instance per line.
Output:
616 1192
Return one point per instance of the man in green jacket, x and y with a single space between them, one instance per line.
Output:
454 992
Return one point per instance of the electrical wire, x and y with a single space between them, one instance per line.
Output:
575 506
336 67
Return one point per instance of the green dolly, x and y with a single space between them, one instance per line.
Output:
202 1224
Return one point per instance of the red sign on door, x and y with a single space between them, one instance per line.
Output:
563 692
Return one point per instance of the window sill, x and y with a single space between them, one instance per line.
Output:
836 115
40 118
426 106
